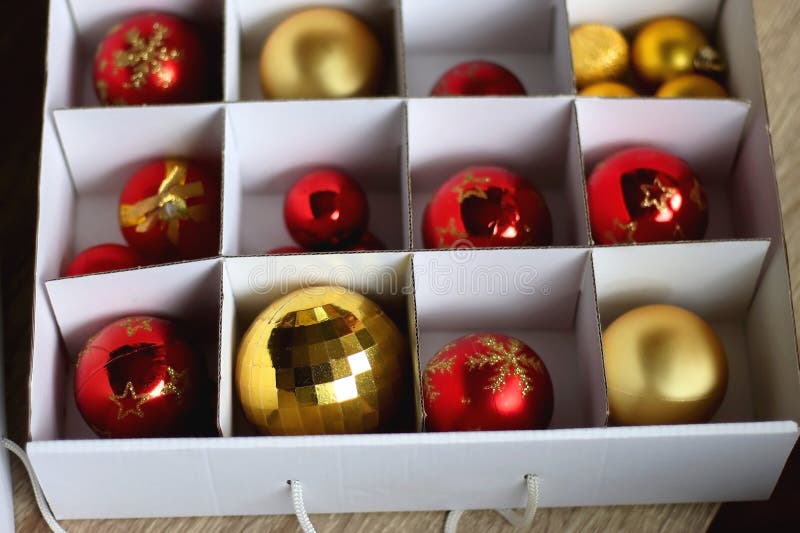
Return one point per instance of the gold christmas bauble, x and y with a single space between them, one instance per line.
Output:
320 360
609 89
692 86
599 53
321 53
664 365
668 47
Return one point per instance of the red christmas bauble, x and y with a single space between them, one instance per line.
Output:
138 378
103 258
368 242
169 210
646 195
487 381
487 207
478 78
153 58
281 250
326 210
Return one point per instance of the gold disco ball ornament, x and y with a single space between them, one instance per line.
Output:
664 365
321 360
321 52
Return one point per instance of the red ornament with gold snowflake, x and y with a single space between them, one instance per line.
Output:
478 78
138 378
487 381
646 195
153 58
486 207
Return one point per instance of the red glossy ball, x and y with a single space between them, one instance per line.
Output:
487 381
478 78
646 195
326 210
487 207
103 258
368 242
153 58
138 378
281 250
170 210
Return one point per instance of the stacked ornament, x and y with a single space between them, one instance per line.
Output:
169 210
670 57
327 210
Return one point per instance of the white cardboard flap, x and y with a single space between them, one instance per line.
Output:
447 135
625 14
257 19
529 294
522 35
276 143
365 473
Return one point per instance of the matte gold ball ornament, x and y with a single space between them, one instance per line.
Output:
320 360
664 365
668 47
608 89
599 53
321 53
692 86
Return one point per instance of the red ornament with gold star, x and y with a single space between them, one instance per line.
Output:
487 381
487 207
646 195
154 58
138 378
478 78
170 209
326 210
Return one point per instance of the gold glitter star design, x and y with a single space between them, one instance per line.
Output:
440 364
508 360
658 195
696 196
132 325
145 55
129 402
86 349
177 384
629 229
450 230
467 187
102 90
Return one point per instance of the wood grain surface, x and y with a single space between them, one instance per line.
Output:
22 44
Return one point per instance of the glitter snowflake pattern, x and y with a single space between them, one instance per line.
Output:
507 360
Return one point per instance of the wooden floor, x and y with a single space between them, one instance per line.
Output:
21 46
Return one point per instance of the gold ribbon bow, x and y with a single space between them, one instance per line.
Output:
169 205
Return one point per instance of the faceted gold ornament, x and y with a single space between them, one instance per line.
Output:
664 365
321 53
320 360
669 47
599 53
692 86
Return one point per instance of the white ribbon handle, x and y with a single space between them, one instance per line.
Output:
511 516
41 501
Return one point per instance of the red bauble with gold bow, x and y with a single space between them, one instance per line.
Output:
487 207
478 78
487 381
103 258
646 195
153 58
138 378
326 210
169 210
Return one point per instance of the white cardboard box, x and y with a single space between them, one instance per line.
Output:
556 298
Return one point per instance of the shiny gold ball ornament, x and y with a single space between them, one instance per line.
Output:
664 365
320 360
692 86
608 89
599 53
669 47
321 53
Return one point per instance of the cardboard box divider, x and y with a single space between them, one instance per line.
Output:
740 286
